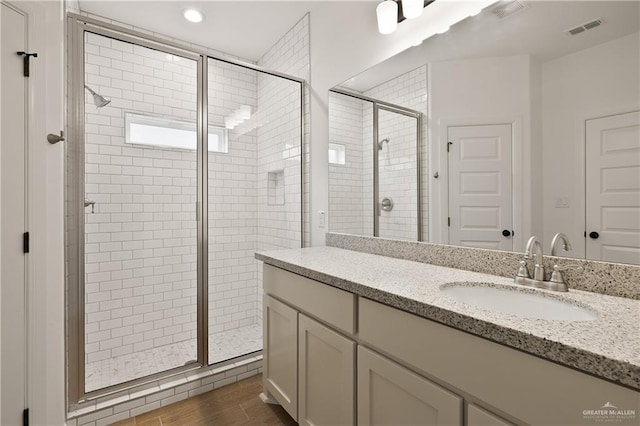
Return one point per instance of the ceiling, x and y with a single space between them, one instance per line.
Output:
246 29
538 30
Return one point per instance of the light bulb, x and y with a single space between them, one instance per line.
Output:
412 8
387 13
193 15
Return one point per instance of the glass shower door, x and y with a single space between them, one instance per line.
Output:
254 197
396 154
140 225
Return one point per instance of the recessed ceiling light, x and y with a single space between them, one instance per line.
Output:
193 15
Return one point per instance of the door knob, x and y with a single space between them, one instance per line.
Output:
506 233
594 235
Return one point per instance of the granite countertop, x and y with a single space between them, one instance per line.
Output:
607 347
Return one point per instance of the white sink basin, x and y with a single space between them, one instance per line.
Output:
517 302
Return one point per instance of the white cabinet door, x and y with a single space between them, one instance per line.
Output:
280 376
613 188
327 375
389 394
480 194
476 416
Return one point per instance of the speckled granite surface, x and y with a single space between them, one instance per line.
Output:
613 279
608 347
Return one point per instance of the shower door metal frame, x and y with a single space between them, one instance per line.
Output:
387 106
74 195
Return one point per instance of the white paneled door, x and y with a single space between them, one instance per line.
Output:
613 188
480 186
13 223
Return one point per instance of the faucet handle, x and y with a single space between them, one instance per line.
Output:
522 270
557 277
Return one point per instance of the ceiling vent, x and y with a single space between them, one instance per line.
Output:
508 8
584 27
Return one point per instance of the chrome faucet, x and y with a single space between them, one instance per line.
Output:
538 267
556 281
566 246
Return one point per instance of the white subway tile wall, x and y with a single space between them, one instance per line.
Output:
346 182
351 123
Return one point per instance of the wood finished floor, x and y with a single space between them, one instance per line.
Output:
236 404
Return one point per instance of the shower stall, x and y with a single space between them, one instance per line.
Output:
375 155
180 165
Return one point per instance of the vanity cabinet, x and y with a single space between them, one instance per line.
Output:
334 358
389 394
309 348
527 389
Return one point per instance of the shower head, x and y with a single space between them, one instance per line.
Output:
98 100
380 143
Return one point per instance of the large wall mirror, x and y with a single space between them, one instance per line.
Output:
506 126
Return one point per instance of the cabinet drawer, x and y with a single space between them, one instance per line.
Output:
329 304
489 371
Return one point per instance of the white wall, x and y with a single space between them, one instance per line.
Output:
598 81
46 381
480 91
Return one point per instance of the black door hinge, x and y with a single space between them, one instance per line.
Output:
448 221
25 417
449 145
25 242
25 59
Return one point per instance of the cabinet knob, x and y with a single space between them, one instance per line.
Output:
506 233
594 235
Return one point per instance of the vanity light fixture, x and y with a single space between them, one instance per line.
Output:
387 14
193 15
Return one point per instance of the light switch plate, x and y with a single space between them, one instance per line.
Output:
562 202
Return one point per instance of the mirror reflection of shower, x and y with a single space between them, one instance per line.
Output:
99 100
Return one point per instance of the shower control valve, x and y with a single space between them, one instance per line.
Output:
91 203
386 204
